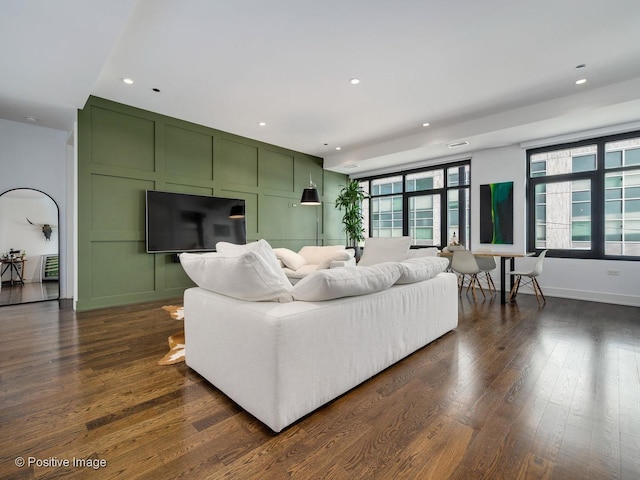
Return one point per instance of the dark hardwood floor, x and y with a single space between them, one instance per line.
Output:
516 392
29 292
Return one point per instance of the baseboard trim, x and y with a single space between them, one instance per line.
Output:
601 297
65 303
588 296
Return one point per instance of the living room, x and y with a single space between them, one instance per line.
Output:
119 142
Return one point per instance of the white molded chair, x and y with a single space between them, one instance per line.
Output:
531 282
464 263
486 264
451 249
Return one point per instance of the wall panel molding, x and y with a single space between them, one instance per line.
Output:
122 151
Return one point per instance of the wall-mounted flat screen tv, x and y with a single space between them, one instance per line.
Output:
177 222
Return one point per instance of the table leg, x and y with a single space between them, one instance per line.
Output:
512 267
503 279
18 273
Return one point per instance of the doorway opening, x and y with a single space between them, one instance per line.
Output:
29 247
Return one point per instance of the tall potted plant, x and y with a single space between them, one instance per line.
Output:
350 200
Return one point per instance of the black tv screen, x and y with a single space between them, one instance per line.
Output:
177 222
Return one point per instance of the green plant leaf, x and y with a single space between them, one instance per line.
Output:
350 200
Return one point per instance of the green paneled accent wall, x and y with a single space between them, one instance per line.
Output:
116 203
238 163
122 141
123 151
125 270
276 171
188 153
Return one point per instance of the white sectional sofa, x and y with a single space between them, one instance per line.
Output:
285 356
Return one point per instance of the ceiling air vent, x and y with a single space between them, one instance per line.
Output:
458 144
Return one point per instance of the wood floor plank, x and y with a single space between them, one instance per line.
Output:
515 392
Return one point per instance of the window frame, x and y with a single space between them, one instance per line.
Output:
442 191
598 201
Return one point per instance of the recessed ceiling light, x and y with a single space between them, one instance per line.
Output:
338 148
128 81
581 81
31 119
426 124
458 144
582 65
354 81
262 124
351 165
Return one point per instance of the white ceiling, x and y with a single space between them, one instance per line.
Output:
494 73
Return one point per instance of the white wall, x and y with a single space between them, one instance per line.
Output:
493 166
35 157
561 277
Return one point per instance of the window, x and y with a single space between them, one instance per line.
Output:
584 198
430 205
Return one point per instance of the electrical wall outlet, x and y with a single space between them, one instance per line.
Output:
612 271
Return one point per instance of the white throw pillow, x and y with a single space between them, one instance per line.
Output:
262 248
316 255
384 249
421 268
341 256
243 275
346 282
290 258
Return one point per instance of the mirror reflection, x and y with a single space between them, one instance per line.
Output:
29 247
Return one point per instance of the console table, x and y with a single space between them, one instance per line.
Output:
12 266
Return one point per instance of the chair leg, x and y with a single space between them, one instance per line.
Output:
480 285
514 290
460 283
473 290
487 281
492 286
535 290
536 286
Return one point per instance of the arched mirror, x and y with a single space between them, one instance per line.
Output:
29 247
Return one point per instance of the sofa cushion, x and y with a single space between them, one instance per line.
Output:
346 282
243 275
421 268
302 272
290 258
384 249
319 255
423 252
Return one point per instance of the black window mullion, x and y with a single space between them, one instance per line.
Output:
441 192
597 204
598 201
462 216
405 206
